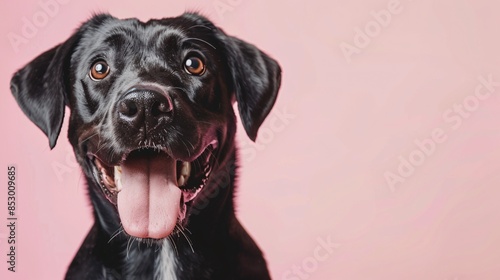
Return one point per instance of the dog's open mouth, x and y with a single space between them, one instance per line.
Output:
150 188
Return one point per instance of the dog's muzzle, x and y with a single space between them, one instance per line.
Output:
149 185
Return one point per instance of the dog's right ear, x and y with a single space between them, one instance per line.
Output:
41 87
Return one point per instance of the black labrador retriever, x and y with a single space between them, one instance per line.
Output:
153 127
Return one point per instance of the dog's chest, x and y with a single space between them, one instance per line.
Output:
166 263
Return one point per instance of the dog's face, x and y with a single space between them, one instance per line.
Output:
151 109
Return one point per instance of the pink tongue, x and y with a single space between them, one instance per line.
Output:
148 203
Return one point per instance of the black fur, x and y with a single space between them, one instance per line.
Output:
152 53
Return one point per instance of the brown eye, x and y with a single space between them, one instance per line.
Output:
99 70
194 65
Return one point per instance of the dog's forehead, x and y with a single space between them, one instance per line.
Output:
132 31
118 32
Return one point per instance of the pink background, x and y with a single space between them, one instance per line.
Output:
320 173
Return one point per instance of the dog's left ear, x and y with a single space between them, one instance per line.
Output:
40 88
256 81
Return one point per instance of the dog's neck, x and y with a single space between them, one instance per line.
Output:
166 266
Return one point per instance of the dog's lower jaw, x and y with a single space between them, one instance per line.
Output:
150 187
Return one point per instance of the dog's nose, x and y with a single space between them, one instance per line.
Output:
145 108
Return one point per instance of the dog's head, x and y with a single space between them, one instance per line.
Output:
151 108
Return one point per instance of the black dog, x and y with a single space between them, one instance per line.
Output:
152 126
